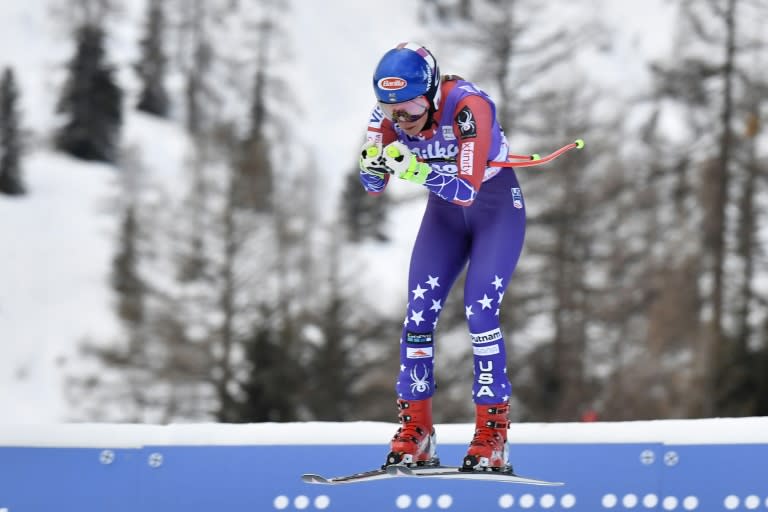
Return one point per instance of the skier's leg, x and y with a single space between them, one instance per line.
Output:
439 254
497 219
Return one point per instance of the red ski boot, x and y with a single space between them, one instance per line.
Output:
488 449
414 442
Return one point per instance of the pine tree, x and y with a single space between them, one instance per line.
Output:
711 78
91 101
254 180
151 68
354 338
363 215
10 146
273 386
126 281
196 62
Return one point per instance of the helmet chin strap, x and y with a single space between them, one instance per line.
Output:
430 120
434 103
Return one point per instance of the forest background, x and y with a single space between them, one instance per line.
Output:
185 238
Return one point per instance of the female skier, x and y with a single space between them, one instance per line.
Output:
441 133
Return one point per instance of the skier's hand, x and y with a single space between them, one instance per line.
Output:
372 160
373 172
399 159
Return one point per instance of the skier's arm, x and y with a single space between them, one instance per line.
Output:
373 175
472 124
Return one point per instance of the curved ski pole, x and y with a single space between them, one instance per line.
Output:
523 160
536 159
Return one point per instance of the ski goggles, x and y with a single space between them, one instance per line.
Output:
406 111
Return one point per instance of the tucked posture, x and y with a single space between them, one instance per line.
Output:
441 132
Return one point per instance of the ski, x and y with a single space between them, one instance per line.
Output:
437 472
454 472
365 476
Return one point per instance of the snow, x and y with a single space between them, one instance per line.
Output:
641 33
53 286
678 432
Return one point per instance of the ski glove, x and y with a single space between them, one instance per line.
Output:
372 168
372 160
399 159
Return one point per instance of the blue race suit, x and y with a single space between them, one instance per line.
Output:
475 217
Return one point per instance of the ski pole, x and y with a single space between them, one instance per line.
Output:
536 159
515 160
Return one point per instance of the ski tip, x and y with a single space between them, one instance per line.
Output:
546 484
535 481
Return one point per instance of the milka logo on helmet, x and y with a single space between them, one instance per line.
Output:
486 337
392 83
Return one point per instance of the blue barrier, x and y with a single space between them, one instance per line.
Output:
266 477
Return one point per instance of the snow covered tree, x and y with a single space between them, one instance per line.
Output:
220 263
255 181
711 77
151 67
556 380
90 102
353 336
196 57
11 181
